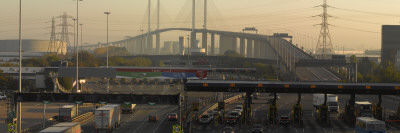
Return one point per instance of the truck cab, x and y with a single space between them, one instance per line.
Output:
363 109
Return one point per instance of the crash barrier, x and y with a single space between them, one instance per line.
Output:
83 118
39 127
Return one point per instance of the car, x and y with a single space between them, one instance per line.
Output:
215 112
239 108
228 129
231 120
3 97
153 118
284 120
211 115
205 119
173 117
257 128
236 114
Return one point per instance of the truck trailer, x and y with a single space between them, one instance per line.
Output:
64 127
107 118
67 112
331 101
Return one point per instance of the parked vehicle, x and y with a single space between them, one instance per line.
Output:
107 118
64 127
331 101
67 112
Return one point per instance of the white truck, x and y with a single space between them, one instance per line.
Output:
107 118
363 109
64 127
331 101
67 112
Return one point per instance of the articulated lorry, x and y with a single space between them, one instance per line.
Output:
64 127
67 112
107 118
127 107
331 101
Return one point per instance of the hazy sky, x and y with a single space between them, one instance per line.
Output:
349 27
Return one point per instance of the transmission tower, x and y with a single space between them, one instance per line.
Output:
53 46
64 30
324 46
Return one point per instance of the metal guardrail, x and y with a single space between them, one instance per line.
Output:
38 127
83 118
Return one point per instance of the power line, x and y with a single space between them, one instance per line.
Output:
347 28
382 14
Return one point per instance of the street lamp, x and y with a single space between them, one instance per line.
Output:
141 42
108 82
77 44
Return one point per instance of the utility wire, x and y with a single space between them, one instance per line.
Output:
382 14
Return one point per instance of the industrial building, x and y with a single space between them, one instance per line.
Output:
9 51
391 44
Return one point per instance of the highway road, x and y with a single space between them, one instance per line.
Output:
32 113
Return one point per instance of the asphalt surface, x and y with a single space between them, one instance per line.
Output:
138 121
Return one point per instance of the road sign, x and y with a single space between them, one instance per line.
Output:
11 114
46 102
152 103
176 129
102 102
79 102
127 103
12 127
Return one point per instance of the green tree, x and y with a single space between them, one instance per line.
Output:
231 53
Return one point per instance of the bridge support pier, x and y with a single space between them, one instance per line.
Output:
257 49
212 44
204 42
181 45
149 48
193 40
157 44
249 49
242 46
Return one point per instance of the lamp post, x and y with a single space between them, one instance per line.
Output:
20 65
141 42
108 82
77 44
